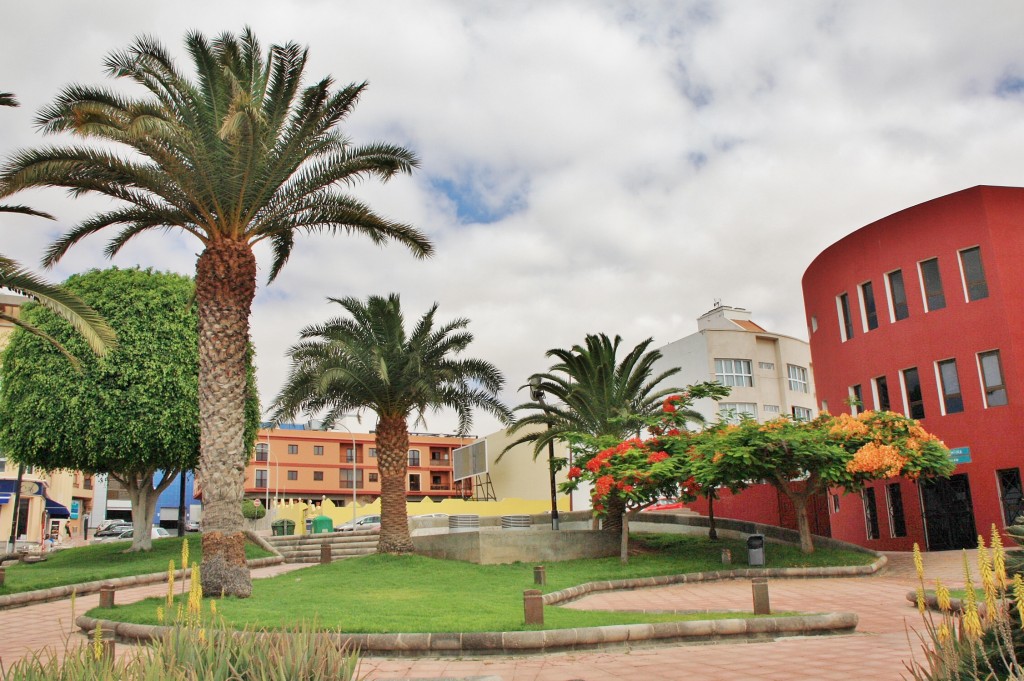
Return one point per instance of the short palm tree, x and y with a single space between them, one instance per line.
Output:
589 391
369 361
61 302
241 153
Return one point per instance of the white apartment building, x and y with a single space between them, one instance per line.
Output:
770 374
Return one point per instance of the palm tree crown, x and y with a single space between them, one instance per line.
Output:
368 360
591 392
242 152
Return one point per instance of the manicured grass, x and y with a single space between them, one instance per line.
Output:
387 594
104 561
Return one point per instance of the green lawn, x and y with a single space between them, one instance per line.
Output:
104 561
386 594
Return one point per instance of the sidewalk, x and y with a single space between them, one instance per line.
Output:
875 652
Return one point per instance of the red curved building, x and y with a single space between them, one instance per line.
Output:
922 312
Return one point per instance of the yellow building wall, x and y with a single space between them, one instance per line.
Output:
518 475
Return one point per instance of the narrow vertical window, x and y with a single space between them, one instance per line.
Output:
845 320
1011 494
856 400
867 299
894 504
912 394
881 393
797 378
975 286
992 378
931 282
952 399
870 513
897 296
262 452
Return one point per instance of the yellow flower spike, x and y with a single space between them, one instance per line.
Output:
998 556
170 582
920 600
202 635
1018 595
972 624
97 642
160 614
213 607
184 553
942 596
943 633
918 561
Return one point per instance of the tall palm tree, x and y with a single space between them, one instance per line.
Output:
592 392
61 302
241 153
369 361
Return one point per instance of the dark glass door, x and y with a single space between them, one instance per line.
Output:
948 513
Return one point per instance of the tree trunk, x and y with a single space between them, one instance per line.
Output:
393 462
225 287
143 497
800 504
624 542
614 509
712 530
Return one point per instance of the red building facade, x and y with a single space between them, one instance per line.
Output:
922 312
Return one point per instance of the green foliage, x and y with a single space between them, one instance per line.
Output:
589 392
388 593
252 510
370 361
212 653
638 472
129 413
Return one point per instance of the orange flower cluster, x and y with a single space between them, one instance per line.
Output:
878 459
774 424
657 456
848 426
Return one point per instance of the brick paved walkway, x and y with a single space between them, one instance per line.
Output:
875 652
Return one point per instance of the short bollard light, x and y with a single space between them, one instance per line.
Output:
533 606
325 554
107 645
759 585
726 557
107 596
540 575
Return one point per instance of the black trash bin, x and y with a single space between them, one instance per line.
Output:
281 528
755 549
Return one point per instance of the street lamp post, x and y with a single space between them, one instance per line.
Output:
537 393
266 501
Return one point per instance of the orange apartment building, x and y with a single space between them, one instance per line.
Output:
311 465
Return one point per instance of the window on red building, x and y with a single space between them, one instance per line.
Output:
293 475
894 504
975 286
870 513
1011 494
318 476
952 400
868 308
897 296
931 283
261 478
856 399
845 319
912 393
262 451
881 389
992 378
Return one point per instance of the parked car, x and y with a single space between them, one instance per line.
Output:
112 529
157 533
192 526
367 522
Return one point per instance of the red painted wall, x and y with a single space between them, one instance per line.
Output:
991 218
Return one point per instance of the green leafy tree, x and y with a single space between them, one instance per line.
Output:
61 302
242 152
252 510
129 414
802 458
368 360
589 392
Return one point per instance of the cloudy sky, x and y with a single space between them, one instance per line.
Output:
586 166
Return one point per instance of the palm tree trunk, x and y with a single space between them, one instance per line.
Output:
393 461
614 508
225 287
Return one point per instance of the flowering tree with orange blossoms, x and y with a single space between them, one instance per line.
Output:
801 458
637 472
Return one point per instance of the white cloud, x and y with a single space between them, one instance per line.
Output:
635 161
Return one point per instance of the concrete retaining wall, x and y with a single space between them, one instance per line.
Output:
490 547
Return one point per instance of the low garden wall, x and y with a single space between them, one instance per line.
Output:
490 547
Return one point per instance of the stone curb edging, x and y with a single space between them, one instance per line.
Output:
57 593
956 605
519 642
575 592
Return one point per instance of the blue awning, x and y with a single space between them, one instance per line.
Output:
55 510
5 498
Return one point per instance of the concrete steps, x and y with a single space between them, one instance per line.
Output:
306 548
